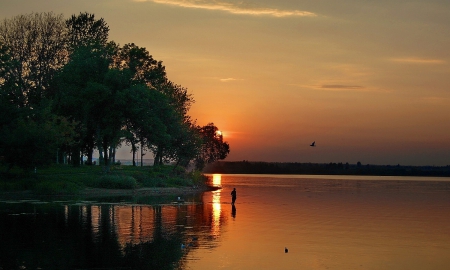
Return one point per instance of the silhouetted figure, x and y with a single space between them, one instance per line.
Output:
313 144
233 211
233 196
286 250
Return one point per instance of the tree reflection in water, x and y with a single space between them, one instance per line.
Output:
62 235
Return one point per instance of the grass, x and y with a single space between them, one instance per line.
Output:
66 179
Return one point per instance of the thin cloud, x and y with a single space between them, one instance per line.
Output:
229 79
413 60
233 8
434 99
341 87
335 87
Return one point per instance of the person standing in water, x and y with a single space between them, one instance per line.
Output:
233 196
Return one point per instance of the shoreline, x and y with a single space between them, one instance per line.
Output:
105 192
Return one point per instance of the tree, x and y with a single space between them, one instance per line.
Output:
185 145
30 137
144 69
110 94
37 45
146 114
84 30
147 71
184 142
85 86
213 147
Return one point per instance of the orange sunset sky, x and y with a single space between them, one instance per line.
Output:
367 80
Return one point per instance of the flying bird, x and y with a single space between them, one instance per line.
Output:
313 144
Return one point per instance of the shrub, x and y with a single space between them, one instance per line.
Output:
117 182
198 178
177 181
153 182
56 188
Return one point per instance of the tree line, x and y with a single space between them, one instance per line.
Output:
67 90
332 168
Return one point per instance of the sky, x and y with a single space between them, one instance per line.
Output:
367 80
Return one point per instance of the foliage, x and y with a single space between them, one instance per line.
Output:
142 66
198 178
213 146
37 46
30 138
63 179
57 188
116 182
66 90
85 30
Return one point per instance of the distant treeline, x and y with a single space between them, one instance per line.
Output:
248 167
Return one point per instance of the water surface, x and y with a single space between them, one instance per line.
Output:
325 222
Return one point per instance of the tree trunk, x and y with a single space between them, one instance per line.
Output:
105 153
155 161
90 153
133 148
75 157
158 157
111 155
114 155
100 156
142 156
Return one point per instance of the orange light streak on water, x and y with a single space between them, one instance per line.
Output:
216 213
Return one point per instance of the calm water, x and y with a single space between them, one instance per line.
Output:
336 222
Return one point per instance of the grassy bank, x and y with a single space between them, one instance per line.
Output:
64 179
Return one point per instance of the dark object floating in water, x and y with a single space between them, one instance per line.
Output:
313 144
286 250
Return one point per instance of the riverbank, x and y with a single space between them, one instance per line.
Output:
93 181
106 192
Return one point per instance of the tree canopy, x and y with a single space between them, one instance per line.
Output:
65 89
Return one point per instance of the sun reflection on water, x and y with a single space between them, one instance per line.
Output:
217 181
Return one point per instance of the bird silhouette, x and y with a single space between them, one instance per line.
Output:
313 144
286 250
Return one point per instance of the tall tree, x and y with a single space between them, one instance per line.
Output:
148 119
84 93
37 44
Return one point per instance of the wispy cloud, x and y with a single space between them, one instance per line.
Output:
415 60
235 8
229 79
434 99
335 87
340 87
